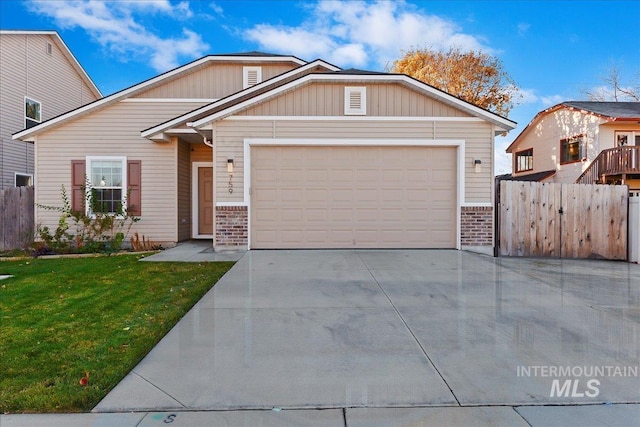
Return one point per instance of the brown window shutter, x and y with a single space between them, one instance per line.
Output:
134 197
78 181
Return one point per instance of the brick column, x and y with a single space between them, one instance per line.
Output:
476 226
232 227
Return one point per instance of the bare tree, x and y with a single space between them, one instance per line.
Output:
614 89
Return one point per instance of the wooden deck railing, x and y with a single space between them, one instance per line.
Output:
614 161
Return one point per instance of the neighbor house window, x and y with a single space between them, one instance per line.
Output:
107 177
627 138
32 112
572 149
251 76
524 160
23 180
355 101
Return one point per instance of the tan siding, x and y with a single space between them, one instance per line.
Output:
478 139
214 81
26 69
477 136
184 191
113 131
327 99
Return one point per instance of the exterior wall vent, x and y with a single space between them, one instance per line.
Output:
355 101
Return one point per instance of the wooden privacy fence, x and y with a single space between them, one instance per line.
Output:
562 220
634 227
16 217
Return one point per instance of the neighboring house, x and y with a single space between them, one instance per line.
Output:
39 79
269 151
581 141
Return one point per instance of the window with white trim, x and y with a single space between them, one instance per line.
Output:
251 76
23 179
627 138
355 101
107 182
32 112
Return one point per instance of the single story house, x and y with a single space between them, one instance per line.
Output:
260 151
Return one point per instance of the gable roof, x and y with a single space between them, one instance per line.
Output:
26 134
218 110
65 51
611 111
261 87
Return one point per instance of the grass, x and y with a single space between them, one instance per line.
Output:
62 318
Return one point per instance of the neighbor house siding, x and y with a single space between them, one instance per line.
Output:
230 135
115 131
545 135
327 99
26 69
213 81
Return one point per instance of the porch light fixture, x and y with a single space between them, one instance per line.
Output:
477 164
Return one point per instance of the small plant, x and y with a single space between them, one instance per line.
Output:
78 231
144 244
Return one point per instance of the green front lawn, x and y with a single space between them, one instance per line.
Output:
62 318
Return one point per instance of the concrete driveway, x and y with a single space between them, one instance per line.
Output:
403 329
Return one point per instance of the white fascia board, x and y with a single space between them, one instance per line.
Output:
472 109
125 93
186 117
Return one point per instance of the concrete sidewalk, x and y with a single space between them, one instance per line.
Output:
195 251
535 416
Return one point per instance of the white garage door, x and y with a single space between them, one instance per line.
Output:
353 197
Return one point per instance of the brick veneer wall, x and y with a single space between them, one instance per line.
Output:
232 228
476 225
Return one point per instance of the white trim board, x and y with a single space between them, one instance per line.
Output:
459 144
195 201
355 118
185 100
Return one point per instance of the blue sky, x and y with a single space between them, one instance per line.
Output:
554 50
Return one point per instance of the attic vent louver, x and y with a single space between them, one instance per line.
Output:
251 76
355 101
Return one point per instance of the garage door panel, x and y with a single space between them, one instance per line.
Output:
346 197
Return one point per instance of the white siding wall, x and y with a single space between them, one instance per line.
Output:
115 131
26 69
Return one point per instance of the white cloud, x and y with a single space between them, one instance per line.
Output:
355 33
523 28
529 96
114 26
216 8
551 100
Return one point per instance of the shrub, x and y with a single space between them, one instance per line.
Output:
79 231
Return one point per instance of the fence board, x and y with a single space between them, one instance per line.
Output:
17 217
593 223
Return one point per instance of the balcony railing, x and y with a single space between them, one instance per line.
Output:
614 161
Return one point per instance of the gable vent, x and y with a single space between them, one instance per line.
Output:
251 76
49 48
355 101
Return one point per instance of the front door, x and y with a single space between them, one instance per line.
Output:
205 201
